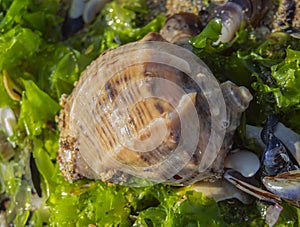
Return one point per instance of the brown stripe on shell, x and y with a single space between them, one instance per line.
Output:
142 113
105 135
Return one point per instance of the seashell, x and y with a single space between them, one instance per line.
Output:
76 8
234 13
289 138
181 26
91 9
87 9
148 110
286 185
241 183
7 121
221 190
273 213
280 171
275 158
245 162
81 12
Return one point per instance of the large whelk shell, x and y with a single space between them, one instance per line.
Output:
150 110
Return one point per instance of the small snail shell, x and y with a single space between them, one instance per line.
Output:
181 26
150 110
234 13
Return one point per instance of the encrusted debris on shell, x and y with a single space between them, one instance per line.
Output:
151 110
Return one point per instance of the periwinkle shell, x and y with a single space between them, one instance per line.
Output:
150 110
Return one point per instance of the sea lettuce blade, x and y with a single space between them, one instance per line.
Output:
17 45
286 74
36 110
14 13
184 208
209 34
69 64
